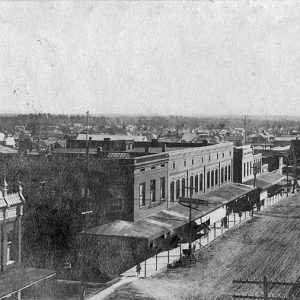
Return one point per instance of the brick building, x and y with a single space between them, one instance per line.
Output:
14 278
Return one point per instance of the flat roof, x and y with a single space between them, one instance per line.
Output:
20 279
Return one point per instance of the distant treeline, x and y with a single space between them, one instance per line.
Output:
8 122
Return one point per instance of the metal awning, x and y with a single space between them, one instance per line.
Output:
19 279
225 194
266 180
139 230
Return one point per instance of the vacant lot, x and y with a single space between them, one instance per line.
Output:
269 244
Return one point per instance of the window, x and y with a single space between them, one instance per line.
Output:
177 189
10 254
212 181
183 187
196 183
184 162
152 190
216 177
223 154
247 168
173 165
244 169
142 170
202 159
201 182
192 161
226 173
229 173
208 179
142 194
229 153
172 194
222 175
250 167
153 168
217 156
162 188
162 165
209 158
191 185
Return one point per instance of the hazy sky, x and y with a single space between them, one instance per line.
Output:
188 58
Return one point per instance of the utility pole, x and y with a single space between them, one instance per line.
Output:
187 202
266 287
85 213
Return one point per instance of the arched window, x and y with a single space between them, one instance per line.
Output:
212 175
177 189
226 173
196 183
229 173
208 179
172 193
216 177
201 182
183 187
191 185
222 175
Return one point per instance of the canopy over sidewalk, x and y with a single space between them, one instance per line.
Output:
265 180
172 219
19 279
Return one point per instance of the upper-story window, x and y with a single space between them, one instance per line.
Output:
173 165
202 159
229 153
223 154
142 194
208 157
217 156
184 162
192 161
152 190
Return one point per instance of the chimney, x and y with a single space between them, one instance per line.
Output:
164 147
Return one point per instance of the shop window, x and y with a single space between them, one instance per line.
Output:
172 193
226 173
216 177
212 175
208 179
177 189
229 173
201 182
183 187
162 188
191 185
196 183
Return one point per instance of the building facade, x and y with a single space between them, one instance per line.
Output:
195 170
246 163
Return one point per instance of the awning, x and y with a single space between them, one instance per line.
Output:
141 230
266 180
225 194
19 279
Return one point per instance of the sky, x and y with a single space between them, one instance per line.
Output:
150 57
